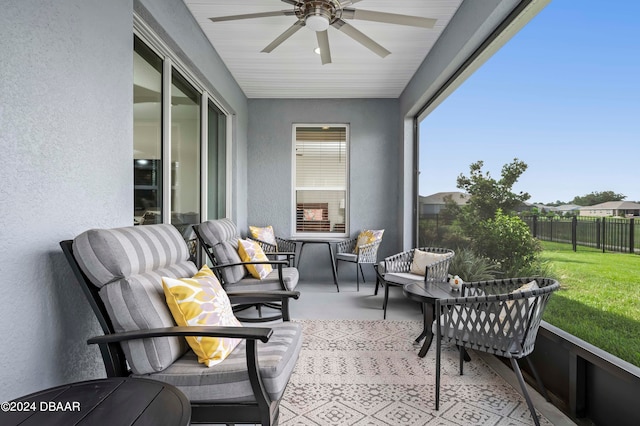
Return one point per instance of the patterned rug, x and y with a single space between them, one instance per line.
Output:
357 372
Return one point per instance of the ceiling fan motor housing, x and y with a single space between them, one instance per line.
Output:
319 14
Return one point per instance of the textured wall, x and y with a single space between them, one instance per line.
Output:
374 172
65 138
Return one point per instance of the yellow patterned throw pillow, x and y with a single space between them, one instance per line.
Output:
250 251
367 237
265 234
201 301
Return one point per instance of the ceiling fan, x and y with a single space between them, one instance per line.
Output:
318 15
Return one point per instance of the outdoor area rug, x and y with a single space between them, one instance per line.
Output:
363 372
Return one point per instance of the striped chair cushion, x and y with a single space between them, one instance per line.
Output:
222 235
128 264
290 277
229 381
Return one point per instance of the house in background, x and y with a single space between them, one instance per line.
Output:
432 204
612 208
565 209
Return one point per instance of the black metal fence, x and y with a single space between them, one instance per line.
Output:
605 233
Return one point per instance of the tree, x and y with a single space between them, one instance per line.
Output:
488 221
507 241
487 195
597 197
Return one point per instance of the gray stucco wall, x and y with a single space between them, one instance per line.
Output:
66 112
65 138
374 168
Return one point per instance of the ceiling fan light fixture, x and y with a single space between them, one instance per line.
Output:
317 22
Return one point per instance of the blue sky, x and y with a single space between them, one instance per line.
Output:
563 95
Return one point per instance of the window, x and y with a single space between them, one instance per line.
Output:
185 153
147 134
179 143
216 162
320 181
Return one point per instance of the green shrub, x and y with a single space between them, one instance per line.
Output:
471 267
507 241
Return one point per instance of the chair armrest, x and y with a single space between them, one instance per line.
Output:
278 263
262 296
438 271
286 245
265 246
288 254
368 253
347 246
400 262
250 333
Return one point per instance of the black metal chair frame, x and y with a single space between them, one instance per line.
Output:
264 411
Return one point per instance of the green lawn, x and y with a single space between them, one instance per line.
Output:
599 298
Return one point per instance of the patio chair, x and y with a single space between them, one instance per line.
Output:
121 272
219 239
500 317
272 245
407 267
360 250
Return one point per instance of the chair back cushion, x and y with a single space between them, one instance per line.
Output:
128 264
222 236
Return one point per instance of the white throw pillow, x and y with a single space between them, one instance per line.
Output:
421 259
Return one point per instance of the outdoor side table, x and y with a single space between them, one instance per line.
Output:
112 401
427 294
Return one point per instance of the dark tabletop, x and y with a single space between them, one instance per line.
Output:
429 292
113 401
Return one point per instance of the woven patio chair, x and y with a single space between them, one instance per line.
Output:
350 251
500 317
400 265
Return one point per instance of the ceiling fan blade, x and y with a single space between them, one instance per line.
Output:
348 2
253 15
388 18
323 44
292 2
360 38
282 37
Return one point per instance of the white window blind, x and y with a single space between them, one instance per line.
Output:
321 175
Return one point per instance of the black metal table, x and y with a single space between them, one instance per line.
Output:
315 240
427 294
112 401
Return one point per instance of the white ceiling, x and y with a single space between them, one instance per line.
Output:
293 70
